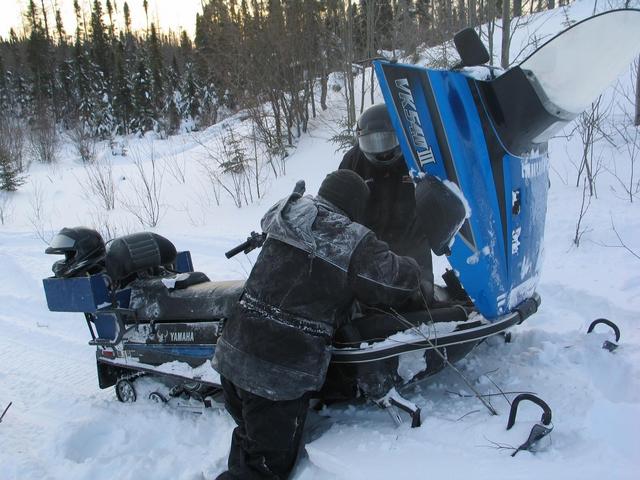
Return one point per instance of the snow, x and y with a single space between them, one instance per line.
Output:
170 283
62 426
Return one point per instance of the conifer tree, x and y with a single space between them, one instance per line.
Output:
190 95
99 43
4 91
38 60
10 176
157 72
122 95
143 118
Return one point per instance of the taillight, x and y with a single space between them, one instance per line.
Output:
108 353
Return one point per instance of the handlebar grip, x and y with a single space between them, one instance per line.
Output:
236 250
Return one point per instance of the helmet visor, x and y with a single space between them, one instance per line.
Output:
378 142
60 243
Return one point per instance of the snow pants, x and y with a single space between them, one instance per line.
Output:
267 438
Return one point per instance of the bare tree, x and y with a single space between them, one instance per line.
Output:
83 141
621 242
145 202
491 27
228 165
584 208
176 165
44 140
108 227
210 170
637 116
590 127
628 139
517 8
265 137
40 217
506 33
100 183
348 65
509 26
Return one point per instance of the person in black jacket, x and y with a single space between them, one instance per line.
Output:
275 350
391 209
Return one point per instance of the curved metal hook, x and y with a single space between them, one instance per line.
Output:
546 410
607 322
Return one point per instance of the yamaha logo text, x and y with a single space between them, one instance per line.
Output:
181 336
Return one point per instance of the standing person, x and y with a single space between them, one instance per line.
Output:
275 350
391 209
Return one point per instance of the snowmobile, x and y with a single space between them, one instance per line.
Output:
149 313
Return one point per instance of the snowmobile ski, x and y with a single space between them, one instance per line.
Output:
540 429
607 345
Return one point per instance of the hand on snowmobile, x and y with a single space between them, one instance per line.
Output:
440 211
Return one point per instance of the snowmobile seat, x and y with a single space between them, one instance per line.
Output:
156 299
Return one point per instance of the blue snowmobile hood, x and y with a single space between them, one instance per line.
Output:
489 137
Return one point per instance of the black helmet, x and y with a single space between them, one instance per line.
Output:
82 248
377 137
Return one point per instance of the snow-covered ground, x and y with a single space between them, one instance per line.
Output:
62 426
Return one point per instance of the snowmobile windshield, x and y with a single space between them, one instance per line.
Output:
60 244
573 68
378 142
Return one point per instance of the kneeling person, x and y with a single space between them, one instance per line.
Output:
275 350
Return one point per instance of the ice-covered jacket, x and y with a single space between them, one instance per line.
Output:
391 210
312 266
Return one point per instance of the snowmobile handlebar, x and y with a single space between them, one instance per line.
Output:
255 240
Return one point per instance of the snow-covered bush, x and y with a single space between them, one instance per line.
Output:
144 203
11 154
44 140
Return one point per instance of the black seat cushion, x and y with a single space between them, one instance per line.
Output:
156 299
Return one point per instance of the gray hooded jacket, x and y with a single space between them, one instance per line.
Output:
312 266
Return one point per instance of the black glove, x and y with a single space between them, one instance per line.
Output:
439 211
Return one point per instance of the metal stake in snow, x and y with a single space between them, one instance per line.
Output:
5 411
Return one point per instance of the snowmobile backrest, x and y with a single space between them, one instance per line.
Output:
138 252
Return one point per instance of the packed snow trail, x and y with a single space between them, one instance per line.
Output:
62 426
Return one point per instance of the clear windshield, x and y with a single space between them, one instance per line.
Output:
575 67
